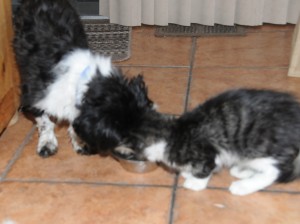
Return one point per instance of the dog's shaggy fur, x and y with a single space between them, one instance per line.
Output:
59 74
108 112
254 132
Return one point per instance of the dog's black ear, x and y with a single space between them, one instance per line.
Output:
97 133
139 89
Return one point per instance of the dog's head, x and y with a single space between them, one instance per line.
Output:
112 106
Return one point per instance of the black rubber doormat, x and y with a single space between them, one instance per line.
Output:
108 39
198 30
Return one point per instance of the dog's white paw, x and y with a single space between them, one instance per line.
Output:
195 184
237 172
47 150
241 188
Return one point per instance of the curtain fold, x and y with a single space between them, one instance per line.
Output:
206 12
294 68
249 12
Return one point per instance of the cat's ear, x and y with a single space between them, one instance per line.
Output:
140 91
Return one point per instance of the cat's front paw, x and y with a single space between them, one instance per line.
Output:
241 188
195 184
186 175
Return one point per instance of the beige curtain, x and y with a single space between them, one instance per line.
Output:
207 12
294 69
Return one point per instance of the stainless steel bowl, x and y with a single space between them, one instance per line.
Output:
132 165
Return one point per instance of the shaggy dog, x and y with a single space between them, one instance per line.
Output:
62 78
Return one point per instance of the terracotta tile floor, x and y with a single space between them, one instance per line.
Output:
180 73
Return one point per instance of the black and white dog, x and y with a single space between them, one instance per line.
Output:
62 78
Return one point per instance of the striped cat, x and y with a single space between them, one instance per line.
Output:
255 133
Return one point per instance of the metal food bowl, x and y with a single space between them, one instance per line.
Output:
133 165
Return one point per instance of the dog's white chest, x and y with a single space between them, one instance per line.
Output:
60 99
73 74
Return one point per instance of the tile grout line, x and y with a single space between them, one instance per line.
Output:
206 66
152 66
17 154
243 67
175 185
80 182
272 191
173 199
192 59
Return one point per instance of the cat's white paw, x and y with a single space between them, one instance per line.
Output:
241 188
186 175
237 172
196 184
193 185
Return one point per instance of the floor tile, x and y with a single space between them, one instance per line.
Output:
253 50
31 203
167 87
66 165
146 49
11 139
207 82
215 206
69 188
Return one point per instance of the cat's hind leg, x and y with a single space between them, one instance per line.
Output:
265 174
